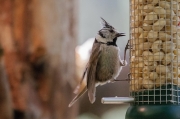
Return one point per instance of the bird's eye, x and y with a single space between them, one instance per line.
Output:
111 31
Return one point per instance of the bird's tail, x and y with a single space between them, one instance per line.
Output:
77 96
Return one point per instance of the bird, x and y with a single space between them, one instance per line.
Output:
104 64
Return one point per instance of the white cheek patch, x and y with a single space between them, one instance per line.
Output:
100 39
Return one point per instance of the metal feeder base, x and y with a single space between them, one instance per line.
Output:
153 112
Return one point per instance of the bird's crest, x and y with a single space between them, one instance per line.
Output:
105 24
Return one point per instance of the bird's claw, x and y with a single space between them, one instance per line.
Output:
129 76
128 46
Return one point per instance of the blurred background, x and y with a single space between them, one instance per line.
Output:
44 47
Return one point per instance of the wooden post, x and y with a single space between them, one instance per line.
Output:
39 38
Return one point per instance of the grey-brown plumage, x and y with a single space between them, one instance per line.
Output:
104 63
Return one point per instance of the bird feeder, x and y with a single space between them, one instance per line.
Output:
154 59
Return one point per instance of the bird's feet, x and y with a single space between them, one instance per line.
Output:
128 46
128 78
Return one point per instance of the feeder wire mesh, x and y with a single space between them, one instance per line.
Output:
155 53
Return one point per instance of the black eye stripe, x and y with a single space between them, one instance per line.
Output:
101 34
111 30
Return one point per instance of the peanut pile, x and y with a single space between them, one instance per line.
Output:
155 38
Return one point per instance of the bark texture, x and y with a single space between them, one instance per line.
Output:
37 67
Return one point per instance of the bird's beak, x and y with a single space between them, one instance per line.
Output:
120 34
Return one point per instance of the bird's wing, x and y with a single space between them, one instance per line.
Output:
77 96
91 71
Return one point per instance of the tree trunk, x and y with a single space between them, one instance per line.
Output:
5 97
38 38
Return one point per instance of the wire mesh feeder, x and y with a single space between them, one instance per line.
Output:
155 53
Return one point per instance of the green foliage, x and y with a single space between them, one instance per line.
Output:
114 113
